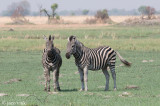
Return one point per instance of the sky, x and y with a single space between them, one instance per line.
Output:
85 4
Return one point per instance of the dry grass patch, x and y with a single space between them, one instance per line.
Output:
12 81
66 19
132 87
26 95
3 94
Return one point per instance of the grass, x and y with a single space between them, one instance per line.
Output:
27 66
114 32
20 57
117 44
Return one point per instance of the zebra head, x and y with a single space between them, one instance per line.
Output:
71 46
49 43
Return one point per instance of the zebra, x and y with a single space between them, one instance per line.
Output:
93 59
51 61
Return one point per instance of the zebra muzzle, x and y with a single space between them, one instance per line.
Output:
68 55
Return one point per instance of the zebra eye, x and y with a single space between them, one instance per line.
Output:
72 46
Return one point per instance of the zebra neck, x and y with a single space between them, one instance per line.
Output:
78 54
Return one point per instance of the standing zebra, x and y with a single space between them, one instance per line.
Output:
51 61
93 59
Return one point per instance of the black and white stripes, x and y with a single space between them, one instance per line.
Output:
93 59
51 61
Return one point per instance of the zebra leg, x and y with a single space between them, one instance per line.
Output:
82 79
47 79
105 72
55 79
86 77
112 68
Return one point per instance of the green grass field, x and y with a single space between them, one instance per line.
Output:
20 58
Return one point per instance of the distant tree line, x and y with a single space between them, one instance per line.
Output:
142 10
112 12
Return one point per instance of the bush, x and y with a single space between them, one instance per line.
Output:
85 12
100 17
102 14
147 10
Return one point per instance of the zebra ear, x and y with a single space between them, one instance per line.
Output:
52 37
68 39
44 37
72 38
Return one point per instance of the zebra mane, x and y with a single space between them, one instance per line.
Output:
79 43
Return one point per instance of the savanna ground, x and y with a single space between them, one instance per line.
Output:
21 73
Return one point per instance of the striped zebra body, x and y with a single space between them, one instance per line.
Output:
93 59
51 61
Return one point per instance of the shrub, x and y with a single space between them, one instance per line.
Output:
85 12
147 10
102 14
100 17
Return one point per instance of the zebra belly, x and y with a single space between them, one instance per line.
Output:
95 67
97 64
89 67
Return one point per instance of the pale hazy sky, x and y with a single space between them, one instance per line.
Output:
86 4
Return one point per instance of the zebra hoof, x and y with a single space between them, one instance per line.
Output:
58 88
86 89
81 89
45 89
106 89
48 90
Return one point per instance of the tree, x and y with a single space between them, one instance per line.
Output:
54 16
26 7
23 4
146 10
85 12
54 7
102 14
150 11
142 10
45 11
18 11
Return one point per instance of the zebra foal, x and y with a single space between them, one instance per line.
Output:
93 59
51 61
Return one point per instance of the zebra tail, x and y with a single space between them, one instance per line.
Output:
123 60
